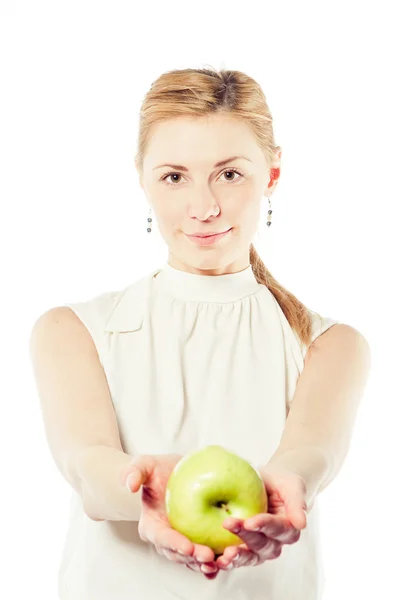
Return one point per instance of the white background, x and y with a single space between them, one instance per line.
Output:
73 218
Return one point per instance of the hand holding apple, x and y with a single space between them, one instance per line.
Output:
263 535
152 473
208 486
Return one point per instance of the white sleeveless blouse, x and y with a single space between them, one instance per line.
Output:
191 360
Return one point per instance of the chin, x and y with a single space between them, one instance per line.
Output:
208 262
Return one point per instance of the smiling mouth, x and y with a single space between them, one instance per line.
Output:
210 234
208 240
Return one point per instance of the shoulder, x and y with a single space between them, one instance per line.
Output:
128 307
115 310
319 325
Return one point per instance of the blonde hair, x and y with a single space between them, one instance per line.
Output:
202 92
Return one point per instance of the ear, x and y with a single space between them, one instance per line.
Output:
272 183
274 173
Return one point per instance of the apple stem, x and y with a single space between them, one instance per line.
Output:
224 506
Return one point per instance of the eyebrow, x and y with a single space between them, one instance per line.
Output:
218 164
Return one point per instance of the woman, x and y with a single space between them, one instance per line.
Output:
208 349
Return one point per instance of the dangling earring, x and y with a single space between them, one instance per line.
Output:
149 220
269 212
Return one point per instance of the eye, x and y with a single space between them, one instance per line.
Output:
164 178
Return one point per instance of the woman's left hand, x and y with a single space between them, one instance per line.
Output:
282 524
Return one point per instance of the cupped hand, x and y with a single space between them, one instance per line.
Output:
152 473
265 534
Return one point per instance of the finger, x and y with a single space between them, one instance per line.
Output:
246 558
298 517
203 554
197 569
229 555
296 506
273 527
177 556
193 567
211 575
258 542
138 471
261 544
163 535
209 570
243 558
210 566
255 541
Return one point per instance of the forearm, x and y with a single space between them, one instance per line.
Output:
97 470
312 463
318 429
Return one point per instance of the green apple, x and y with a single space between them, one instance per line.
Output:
206 487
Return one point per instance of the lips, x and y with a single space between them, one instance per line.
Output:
208 240
209 234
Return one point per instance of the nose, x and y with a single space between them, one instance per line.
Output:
204 212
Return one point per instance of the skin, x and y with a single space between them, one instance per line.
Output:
205 198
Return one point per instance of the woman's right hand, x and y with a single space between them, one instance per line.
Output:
152 473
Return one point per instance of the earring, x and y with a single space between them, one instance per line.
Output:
269 212
149 220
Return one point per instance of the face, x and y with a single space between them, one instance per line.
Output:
191 194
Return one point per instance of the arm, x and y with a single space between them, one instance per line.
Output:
100 471
318 429
79 418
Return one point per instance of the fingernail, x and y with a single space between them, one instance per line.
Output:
229 567
182 552
207 569
129 482
236 558
235 529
